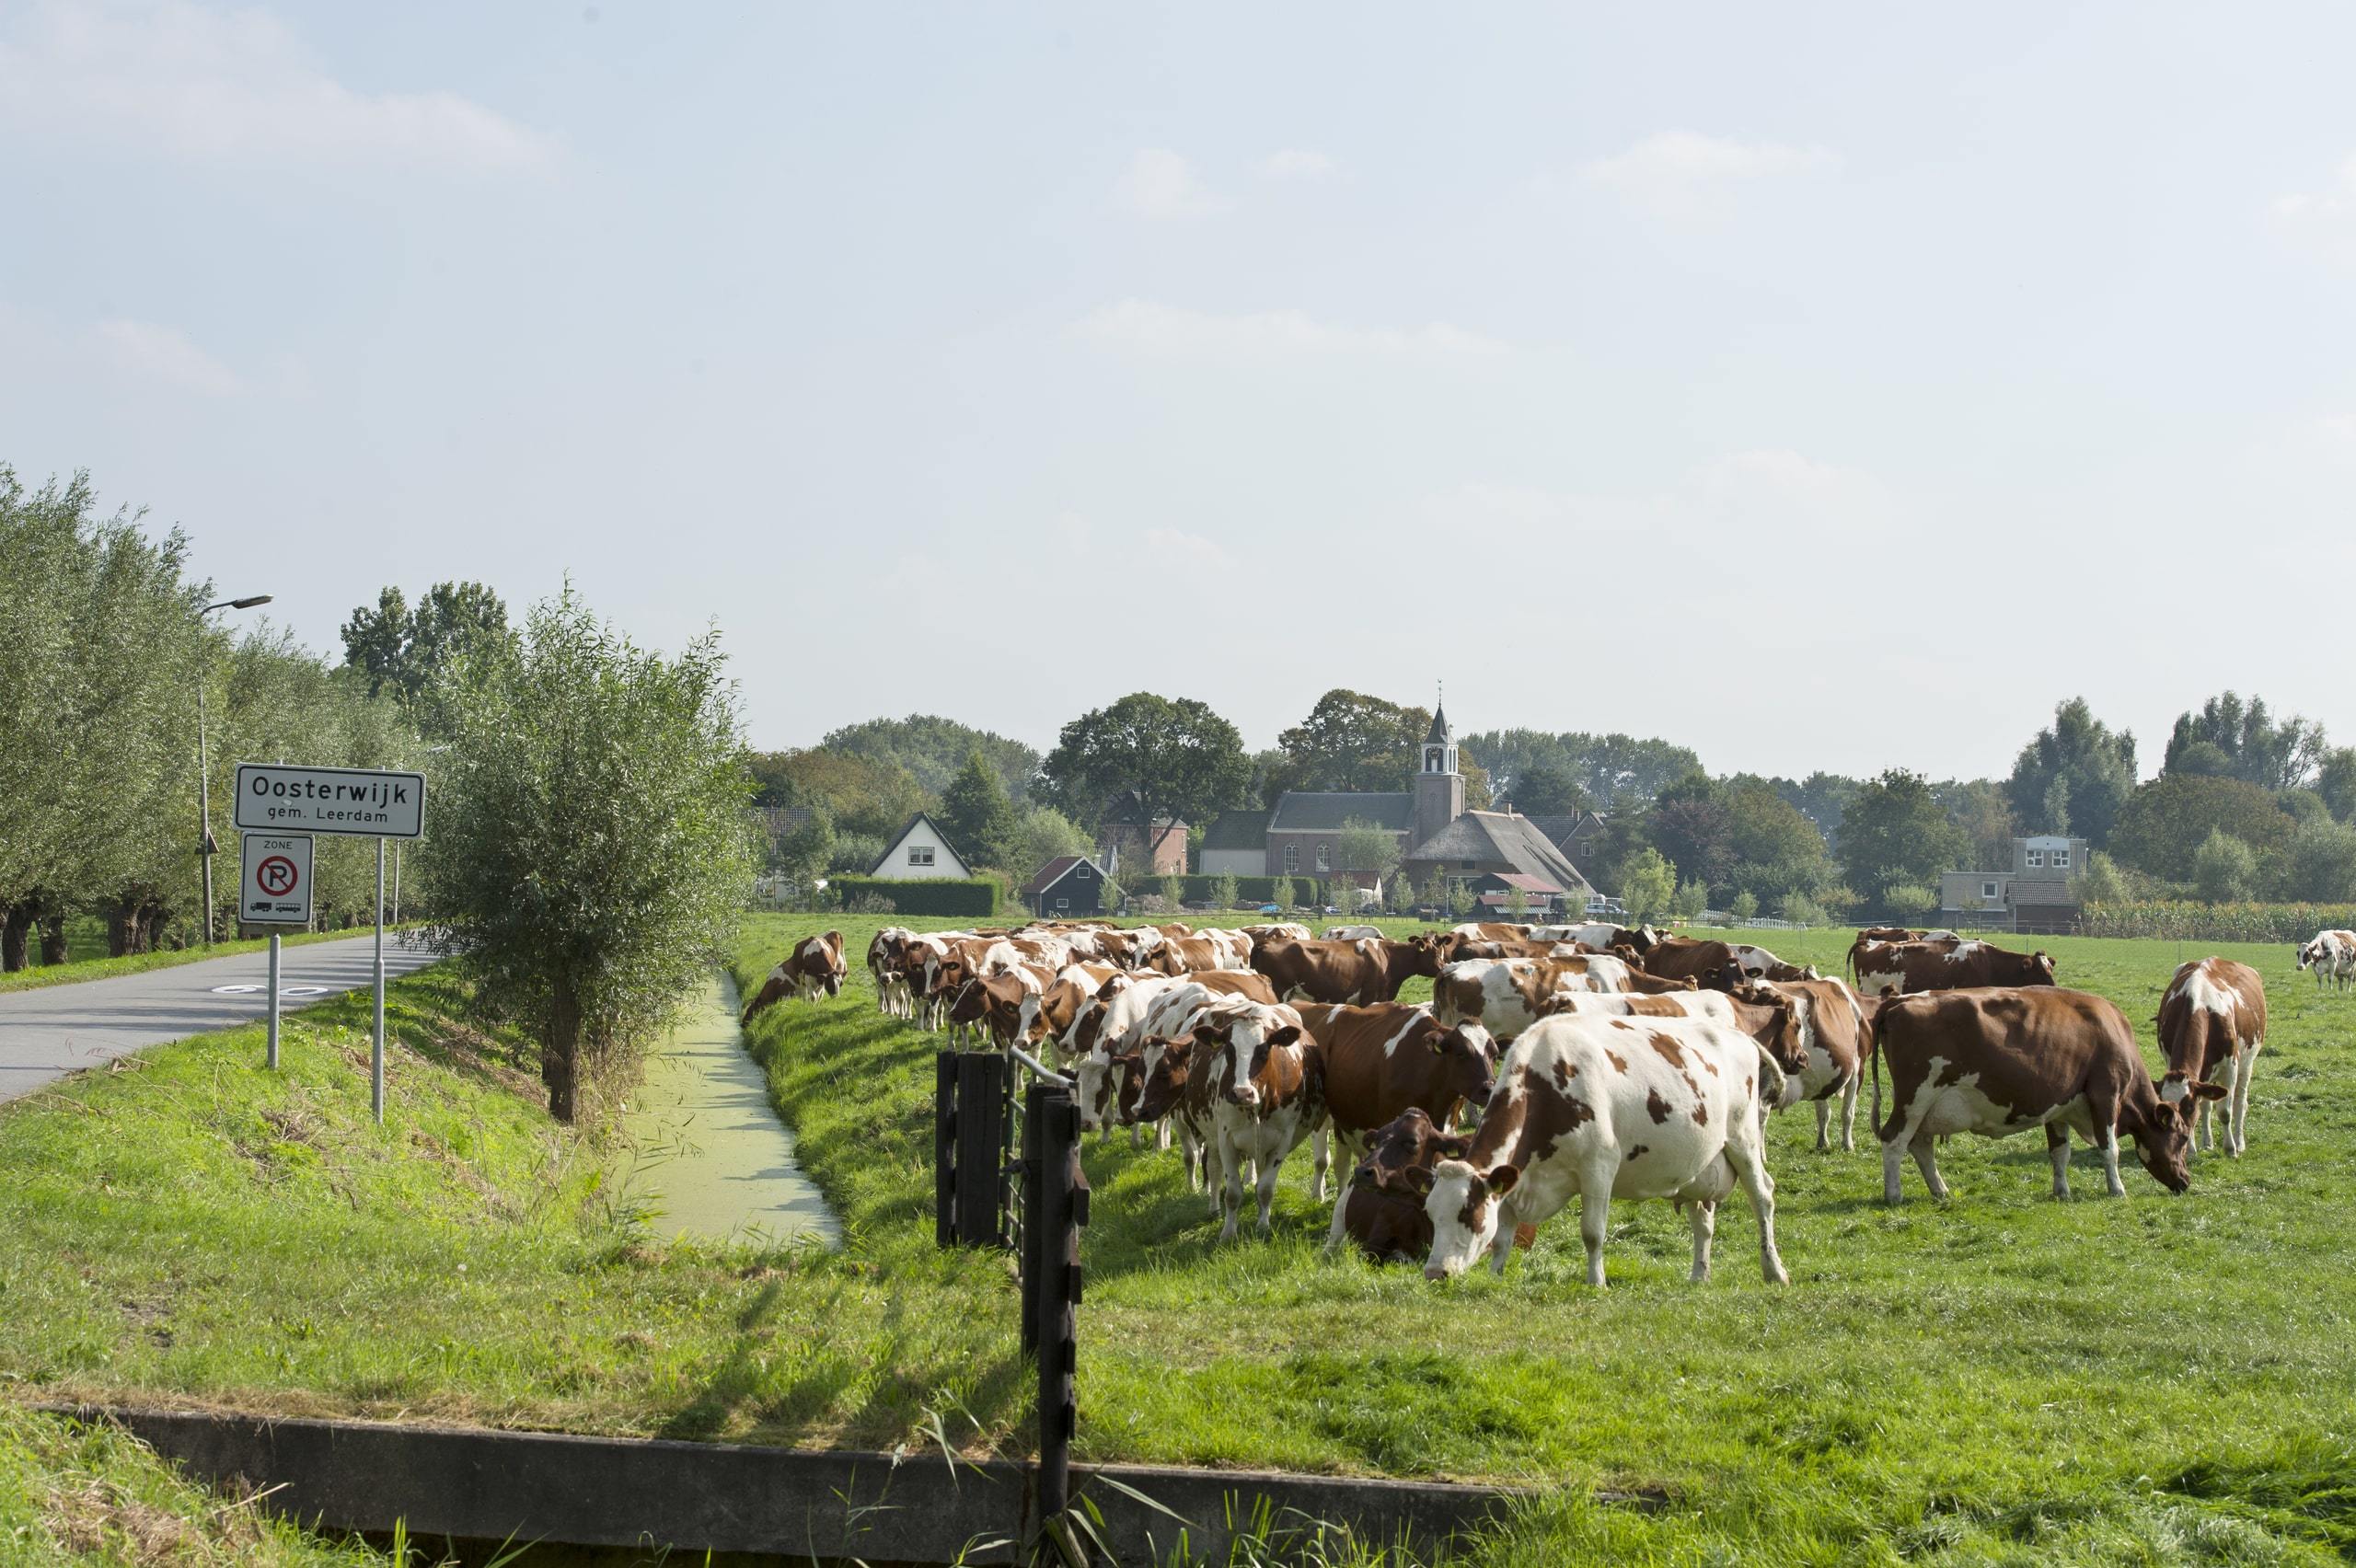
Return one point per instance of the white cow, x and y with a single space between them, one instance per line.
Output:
1350 933
2332 955
1242 1080
1599 1108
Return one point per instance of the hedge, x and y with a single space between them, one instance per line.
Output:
932 895
2214 922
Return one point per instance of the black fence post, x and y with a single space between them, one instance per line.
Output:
1033 1169
1062 1210
981 1123
944 1148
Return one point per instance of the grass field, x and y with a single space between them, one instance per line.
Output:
2003 1379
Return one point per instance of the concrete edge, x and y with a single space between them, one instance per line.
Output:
484 1483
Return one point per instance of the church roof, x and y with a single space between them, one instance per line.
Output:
1324 811
1236 830
1439 735
1489 838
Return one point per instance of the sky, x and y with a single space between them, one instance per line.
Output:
1817 385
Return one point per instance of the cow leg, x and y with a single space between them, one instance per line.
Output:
1927 1160
1823 1126
1334 1237
1849 1116
1704 1215
1161 1133
1893 1160
1269 1171
2245 1068
1501 1246
1230 1182
1595 1223
1137 1136
1750 1162
2106 1140
2057 1149
1321 1147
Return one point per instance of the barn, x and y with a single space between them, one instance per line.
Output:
1065 887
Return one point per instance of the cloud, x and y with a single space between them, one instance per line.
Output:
2322 220
1685 173
1166 331
1176 548
1295 163
147 352
225 87
1160 185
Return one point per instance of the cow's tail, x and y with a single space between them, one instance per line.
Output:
1873 1054
1771 1080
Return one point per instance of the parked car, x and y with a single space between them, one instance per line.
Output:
1270 909
1600 905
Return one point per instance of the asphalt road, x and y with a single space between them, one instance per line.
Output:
55 1029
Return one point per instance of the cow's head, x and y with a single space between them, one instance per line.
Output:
2310 953
970 1001
1468 1060
1093 1079
2042 963
1463 1206
1248 1042
1776 1021
2164 1143
1156 1093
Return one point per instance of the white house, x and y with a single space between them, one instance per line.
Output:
920 853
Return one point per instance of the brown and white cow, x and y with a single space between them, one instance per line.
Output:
1997 1061
1381 1207
1343 933
1707 964
815 967
1124 1013
2332 955
1912 967
1825 1054
1239 1075
1599 1108
1370 970
1380 1061
1204 949
1600 936
2213 1025
1506 996
1871 953
1045 1016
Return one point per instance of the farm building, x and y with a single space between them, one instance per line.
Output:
2039 892
1124 846
1066 885
1496 844
1237 842
920 852
1493 890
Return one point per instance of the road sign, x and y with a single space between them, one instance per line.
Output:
276 887
365 802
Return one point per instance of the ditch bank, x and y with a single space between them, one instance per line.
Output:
489 1485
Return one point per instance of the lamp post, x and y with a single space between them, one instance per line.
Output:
204 845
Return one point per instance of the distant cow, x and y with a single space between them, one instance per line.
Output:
1370 970
2332 956
1912 967
815 966
1824 1053
1605 1108
1710 964
1997 1062
1865 952
2213 1025
1381 1207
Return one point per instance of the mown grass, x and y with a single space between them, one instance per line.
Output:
75 1494
91 962
2000 1379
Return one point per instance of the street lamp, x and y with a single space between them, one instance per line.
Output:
204 845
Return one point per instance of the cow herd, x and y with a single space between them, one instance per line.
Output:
1592 1061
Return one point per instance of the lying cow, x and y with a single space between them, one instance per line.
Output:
1599 1108
1908 968
2001 1061
2213 1025
1381 1208
1370 970
2332 956
813 967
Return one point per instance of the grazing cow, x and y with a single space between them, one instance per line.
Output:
1378 1061
1610 1107
1824 1053
1345 933
814 965
2001 1061
2212 1022
1758 963
1381 1208
1276 931
1204 949
883 953
2332 955
1240 1074
1370 970
1120 1016
1912 967
993 1005
1491 930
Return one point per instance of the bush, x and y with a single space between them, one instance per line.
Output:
2225 868
1692 899
1226 890
950 897
1745 907
1802 910
1279 893
1909 899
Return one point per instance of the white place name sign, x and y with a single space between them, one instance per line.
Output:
367 803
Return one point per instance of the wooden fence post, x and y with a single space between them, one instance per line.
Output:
944 1148
981 1126
1062 1209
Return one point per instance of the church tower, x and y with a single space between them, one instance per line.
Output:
1440 788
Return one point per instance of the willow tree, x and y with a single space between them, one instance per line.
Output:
588 845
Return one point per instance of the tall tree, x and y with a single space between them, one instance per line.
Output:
979 817
592 853
2074 777
1547 787
2164 827
407 651
934 750
1984 811
1822 796
1617 771
1351 741
2336 782
1166 759
1691 826
1777 850
863 795
2230 738
1895 833
1364 849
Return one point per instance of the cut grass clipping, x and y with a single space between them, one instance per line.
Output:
2000 1379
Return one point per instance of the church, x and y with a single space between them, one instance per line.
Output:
1493 850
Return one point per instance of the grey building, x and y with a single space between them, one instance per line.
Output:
2037 892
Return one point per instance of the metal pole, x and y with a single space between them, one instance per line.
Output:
273 1001
376 1052
396 881
204 811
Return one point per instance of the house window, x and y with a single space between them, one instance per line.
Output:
1987 890
1324 858
1293 857
2036 860
1063 903
919 854
2061 860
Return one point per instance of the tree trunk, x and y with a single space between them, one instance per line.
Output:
53 939
561 1055
16 926
123 927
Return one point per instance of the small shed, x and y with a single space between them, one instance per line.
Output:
1065 887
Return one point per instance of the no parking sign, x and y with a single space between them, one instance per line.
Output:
277 884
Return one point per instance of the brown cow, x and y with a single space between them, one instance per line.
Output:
1378 1061
815 965
2003 1060
1826 1056
1381 1208
1369 970
1873 940
2213 1019
1707 964
1912 967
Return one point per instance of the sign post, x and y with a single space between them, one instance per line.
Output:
360 803
274 889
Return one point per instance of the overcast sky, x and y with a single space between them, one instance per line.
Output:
1816 386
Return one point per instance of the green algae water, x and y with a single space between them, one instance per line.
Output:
712 1158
